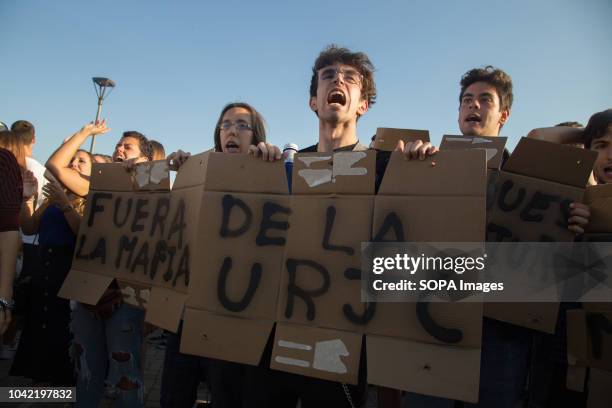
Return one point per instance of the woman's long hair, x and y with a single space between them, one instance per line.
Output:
13 143
257 123
77 202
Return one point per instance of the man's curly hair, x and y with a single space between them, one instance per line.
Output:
492 76
334 54
597 127
146 149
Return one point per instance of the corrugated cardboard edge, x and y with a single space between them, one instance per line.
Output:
165 308
429 369
543 318
575 378
224 337
447 173
243 173
192 173
84 287
456 142
386 138
577 342
110 176
551 161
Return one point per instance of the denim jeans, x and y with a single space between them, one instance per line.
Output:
108 351
504 364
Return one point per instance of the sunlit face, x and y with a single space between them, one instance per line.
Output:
602 169
81 163
338 97
236 131
128 148
479 111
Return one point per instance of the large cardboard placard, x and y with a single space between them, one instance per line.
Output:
589 338
531 203
437 345
320 298
241 235
138 232
247 257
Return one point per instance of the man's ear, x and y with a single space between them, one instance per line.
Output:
312 102
363 107
504 117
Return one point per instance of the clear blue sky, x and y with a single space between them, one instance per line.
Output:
177 63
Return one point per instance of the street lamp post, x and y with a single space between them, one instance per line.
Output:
101 85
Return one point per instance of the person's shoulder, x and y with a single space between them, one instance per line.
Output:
8 162
7 156
359 147
309 149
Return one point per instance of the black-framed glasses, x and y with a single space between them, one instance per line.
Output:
350 75
240 126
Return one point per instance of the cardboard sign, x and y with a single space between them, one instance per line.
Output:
437 345
387 138
136 231
493 146
589 338
600 389
320 297
243 256
599 200
531 203
241 236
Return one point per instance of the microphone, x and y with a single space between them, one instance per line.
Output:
289 151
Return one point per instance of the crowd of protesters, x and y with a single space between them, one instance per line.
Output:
94 347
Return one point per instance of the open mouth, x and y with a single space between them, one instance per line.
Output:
608 171
119 159
336 96
473 118
232 146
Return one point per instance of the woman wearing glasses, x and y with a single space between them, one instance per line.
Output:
239 129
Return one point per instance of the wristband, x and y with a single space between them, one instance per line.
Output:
7 304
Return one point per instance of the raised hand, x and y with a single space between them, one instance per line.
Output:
175 160
55 195
30 185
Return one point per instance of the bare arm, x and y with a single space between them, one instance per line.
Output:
59 162
9 246
74 219
29 219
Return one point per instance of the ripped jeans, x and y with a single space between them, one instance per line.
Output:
108 346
